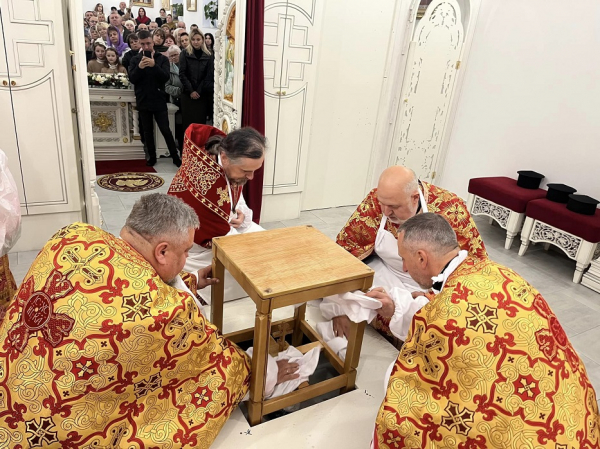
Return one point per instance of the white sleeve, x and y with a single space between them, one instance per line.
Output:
405 308
10 208
243 208
330 308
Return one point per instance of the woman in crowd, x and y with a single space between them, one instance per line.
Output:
209 40
196 71
128 15
94 35
96 65
142 17
89 49
99 8
102 18
158 36
170 22
184 40
169 41
130 25
174 89
103 32
163 17
116 41
112 60
167 30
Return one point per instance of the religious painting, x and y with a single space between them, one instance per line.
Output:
211 13
225 126
229 56
145 3
166 4
192 5
177 11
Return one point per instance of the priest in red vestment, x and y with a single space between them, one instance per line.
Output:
214 169
370 235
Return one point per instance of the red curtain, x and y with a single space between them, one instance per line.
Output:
253 105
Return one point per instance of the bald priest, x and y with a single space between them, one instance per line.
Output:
370 235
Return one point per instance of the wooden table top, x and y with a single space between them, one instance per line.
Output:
283 261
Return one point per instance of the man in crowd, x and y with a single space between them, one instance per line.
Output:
134 44
93 20
105 344
142 27
122 8
486 363
224 164
193 27
181 24
153 26
117 21
370 235
149 71
88 15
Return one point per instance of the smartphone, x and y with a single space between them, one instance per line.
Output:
147 53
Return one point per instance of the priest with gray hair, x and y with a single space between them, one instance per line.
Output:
122 342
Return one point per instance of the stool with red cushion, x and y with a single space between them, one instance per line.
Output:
576 234
501 199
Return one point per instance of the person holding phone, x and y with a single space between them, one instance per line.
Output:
149 71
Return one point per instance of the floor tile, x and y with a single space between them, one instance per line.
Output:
306 217
586 343
333 215
272 225
26 257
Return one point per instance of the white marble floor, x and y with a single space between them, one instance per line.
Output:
349 418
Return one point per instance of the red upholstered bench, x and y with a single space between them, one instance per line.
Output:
501 199
576 234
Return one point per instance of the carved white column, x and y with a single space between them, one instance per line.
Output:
591 279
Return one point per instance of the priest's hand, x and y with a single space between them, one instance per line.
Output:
287 371
204 277
341 326
387 304
417 293
194 95
238 221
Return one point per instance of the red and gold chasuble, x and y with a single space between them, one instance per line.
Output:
359 234
201 182
98 352
487 365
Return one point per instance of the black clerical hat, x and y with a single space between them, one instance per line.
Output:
582 204
559 193
529 179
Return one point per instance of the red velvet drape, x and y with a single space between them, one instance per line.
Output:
253 106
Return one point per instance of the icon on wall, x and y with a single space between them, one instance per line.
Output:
177 11
192 5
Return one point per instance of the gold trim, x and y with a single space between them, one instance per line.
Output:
123 104
125 140
145 4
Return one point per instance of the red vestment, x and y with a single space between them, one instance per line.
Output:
202 183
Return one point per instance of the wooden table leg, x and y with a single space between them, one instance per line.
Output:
217 293
262 329
299 315
355 339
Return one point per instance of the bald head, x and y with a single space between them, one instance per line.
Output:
398 193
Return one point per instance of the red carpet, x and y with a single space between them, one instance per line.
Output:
112 167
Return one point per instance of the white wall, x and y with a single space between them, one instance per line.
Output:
189 17
531 96
350 72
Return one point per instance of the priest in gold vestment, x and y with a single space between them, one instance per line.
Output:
104 346
486 363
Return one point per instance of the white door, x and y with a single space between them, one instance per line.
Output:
429 80
39 71
290 34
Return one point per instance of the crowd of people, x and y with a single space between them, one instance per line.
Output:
182 65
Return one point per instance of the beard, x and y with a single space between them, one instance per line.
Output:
238 182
